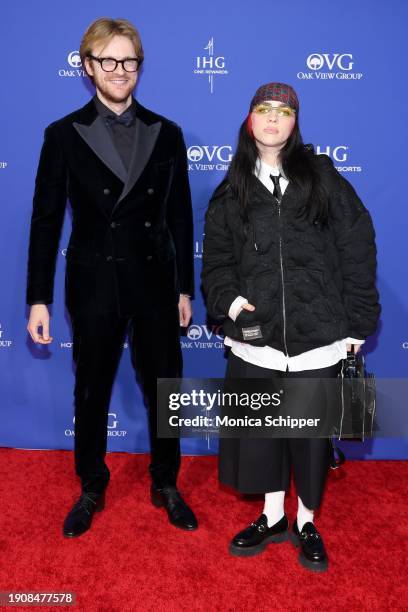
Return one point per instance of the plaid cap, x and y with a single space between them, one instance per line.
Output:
275 91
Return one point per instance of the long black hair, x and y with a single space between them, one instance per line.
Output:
298 164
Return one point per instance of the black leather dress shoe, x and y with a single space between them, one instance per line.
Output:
180 515
79 519
312 555
255 538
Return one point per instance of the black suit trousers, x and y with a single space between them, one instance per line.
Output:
97 346
263 465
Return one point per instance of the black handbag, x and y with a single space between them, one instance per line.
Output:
357 403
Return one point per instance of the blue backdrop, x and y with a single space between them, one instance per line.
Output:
346 60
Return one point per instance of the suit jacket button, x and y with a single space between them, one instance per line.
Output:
150 191
113 225
109 258
106 191
148 224
149 257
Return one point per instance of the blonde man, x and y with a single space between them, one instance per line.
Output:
129 257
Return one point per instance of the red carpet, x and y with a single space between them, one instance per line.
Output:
133 559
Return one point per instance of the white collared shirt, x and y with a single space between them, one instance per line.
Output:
266 356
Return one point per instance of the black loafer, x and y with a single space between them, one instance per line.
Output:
180 515
79 519
313 554
255 538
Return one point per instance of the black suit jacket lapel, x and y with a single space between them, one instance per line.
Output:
143 145
95 133
92 129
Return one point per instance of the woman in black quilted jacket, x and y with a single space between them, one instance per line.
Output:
289 265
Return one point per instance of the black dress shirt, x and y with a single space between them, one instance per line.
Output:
122 135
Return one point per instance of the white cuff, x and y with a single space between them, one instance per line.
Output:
236 307
354 341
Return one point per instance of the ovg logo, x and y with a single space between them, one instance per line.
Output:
75 64
195 154
194 332
112 427
340 156
330 66
203 337
206 158
74 59
4 342
211 64
315 62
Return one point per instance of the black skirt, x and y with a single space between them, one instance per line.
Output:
262 465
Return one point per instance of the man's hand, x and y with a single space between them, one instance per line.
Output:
357 347
185 310
39 317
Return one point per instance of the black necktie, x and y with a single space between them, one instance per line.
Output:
125 118
276 187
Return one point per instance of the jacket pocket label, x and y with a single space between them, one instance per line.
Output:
252 333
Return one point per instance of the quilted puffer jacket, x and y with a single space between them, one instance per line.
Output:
311 284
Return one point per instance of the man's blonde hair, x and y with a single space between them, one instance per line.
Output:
105 28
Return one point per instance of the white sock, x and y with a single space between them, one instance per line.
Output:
273 508
304 515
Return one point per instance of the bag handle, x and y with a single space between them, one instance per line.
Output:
337 457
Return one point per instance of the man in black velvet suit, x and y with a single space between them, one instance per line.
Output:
129 257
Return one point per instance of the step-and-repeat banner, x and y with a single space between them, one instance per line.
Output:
204 61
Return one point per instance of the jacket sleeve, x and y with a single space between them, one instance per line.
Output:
47 218
355 241
219 273
179 217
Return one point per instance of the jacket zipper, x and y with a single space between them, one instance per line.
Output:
283 282
254 236
281 269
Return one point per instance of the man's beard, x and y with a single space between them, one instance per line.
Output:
118 97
